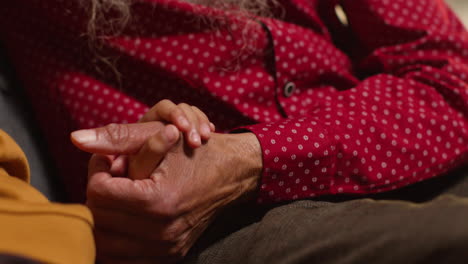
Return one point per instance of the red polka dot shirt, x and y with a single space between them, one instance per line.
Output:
345 97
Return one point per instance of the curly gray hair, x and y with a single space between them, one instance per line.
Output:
98 22
101 25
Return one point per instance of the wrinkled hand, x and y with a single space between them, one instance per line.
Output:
189 120
158 219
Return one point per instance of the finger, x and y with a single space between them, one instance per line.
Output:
115 138
166 110
119 166
204 123
192 138
182 117
122 193
106 190
110 190
153 151
99 164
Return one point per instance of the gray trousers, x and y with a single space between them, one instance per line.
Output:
424 223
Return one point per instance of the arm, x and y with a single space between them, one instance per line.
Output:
27 217
406 124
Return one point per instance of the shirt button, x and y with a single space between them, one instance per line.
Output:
340 13
288 89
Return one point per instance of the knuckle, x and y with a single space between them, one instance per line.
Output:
183 105
116 134
176 112
162 103
166 101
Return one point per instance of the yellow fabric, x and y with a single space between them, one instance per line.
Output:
33 227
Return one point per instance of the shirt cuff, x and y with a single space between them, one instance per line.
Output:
299 159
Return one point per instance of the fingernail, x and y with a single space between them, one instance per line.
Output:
183 121
195 137
212 126
84 136
205 129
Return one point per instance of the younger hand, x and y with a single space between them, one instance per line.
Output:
190 120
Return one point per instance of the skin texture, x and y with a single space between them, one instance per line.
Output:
160 217
189 120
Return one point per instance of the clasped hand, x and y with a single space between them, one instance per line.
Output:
153 187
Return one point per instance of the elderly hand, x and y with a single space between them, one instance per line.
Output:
158 219
190 121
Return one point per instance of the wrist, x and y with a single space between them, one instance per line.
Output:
247 154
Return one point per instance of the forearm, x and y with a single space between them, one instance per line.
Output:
406 124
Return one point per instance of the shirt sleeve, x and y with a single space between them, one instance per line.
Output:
33 227
405 124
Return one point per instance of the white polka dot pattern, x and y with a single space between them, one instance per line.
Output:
334 132
405 125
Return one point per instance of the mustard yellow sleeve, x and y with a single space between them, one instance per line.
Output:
33 227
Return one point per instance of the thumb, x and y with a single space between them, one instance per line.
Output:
115 139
